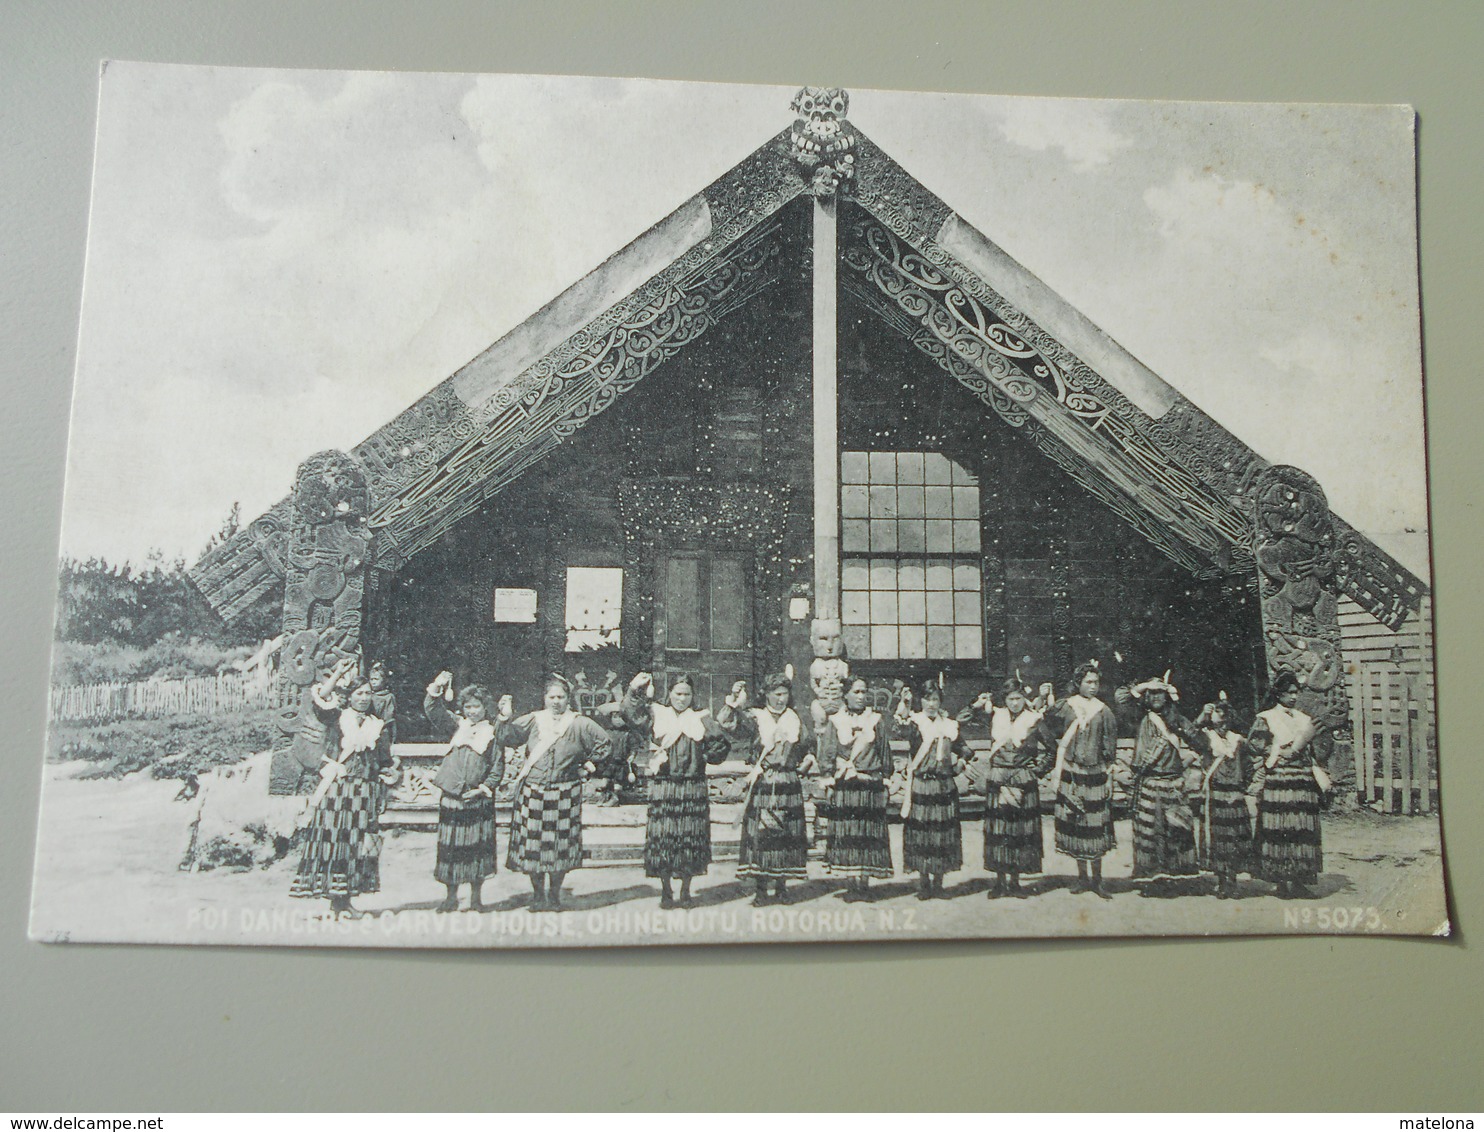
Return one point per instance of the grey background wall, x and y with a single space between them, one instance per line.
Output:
1281 1023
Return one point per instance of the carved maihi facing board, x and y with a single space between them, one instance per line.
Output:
812 566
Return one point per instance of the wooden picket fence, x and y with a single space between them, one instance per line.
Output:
197 695
1395 739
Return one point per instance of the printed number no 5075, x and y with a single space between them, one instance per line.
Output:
1337 919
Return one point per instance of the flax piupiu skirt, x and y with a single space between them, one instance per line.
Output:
1012 828
1163 846
857 844
677 832
1288 841
932 839
1084 813
342 846
1228 831
546 829
775 845
466 840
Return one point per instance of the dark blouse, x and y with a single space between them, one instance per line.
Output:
874 762
583 741
745 727
466 767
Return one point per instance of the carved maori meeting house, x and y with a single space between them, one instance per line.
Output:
812 396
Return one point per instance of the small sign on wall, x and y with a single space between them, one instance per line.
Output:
515 606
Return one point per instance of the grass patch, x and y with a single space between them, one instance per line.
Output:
177 746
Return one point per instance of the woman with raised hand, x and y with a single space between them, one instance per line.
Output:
855 753
1086 735
1226 760
682 742
1164 749
1289 784
342 846
546 824
1021 753
932 839
775 844
466 781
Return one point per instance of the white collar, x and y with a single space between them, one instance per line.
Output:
1007 729
670 725
359 732
944 727
774 729
476 736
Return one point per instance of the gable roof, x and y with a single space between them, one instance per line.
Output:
1118 429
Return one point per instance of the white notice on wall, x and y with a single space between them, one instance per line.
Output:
516 606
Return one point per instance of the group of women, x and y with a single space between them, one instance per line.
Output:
1203 795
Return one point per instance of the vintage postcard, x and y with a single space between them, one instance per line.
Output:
511 511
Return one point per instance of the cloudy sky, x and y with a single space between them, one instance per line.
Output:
280 261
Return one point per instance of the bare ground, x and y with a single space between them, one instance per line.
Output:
108 856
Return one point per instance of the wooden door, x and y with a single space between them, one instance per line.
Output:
703 622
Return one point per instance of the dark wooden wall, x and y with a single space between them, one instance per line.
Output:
731 409
1065 579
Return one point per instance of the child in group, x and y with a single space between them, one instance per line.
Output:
466 781
383 699
1227 765
932 839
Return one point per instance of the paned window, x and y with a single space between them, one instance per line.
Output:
910 580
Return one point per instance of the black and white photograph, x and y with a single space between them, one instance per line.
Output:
514 511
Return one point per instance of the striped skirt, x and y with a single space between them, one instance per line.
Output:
774 843
546 829
1084 813
342 846
1012 828
677 834
857 844
932 840
1164 833
466 840
1229 832
1288 844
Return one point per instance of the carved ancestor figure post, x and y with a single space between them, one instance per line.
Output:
829 670
1294 547
324 587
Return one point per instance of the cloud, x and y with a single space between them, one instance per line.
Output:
1314 354
1080 130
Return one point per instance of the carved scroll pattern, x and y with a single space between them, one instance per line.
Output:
1371 577
984 365
1025 371
563 391
324 591
1294 547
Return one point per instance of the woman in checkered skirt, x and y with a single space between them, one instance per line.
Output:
466 781
342 846
546 825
